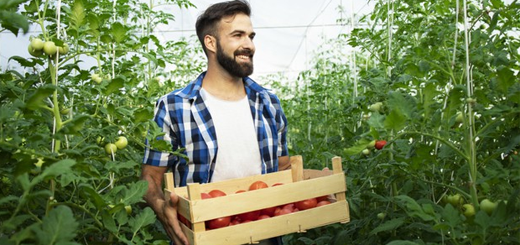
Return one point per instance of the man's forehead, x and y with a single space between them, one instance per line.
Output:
237 19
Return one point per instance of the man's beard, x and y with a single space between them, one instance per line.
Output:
232 66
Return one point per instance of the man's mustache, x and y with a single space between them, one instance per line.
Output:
247 52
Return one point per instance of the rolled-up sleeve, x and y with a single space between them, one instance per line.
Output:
162 118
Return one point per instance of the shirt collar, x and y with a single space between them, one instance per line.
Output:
192 91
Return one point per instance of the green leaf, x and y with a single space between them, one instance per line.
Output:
11 4
143 114
8 199
6 241
76 125
144 218
451 216
429 93
13 21
57 227
118 32
37 99
78 14
404 103
505 79
376 121
415 210
116 166
24 181
24 62
402 242
358 148
395 121
135 192
482 219
24 234
108 221
388 226
15 222
114 85
58 168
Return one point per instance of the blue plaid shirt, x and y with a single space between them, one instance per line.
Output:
184 118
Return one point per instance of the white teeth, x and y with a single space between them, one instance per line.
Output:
243 57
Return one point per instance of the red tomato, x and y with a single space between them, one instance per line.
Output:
183 220
234 221
380 144
277 184
240 191
281 211
322 198
205 195
263 216
306 204
323 202
289 206
217 193
218 223
258 185
268 211
251 216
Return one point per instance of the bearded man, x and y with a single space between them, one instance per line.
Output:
227 125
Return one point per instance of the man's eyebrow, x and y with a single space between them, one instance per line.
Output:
242 32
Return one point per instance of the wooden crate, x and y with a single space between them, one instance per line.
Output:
298 184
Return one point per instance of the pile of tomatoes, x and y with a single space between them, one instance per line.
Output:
257 214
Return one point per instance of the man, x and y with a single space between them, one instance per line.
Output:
229 126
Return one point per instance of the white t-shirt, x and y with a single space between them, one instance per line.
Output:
238 152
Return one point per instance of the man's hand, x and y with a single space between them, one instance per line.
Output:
170 221
165 208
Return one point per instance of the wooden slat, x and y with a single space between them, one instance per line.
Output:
274 196
169 182
298 183
296 168
233 185
338 169
275 226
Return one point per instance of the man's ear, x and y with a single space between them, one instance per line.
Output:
211 43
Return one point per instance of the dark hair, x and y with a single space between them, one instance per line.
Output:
207 22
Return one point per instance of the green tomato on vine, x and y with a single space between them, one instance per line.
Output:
365 151
376 107
63 49
34 52
455 200
459 118
50 48
468 210
37 44
96 78
110 148
121 142
488 206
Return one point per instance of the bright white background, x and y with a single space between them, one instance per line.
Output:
288 31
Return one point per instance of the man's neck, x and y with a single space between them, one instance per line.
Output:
223 86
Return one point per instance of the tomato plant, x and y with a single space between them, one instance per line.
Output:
438 81
85 80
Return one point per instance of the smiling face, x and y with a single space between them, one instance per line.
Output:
235 48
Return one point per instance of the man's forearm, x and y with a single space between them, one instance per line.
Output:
154 196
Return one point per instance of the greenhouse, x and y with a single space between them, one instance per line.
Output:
390 122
